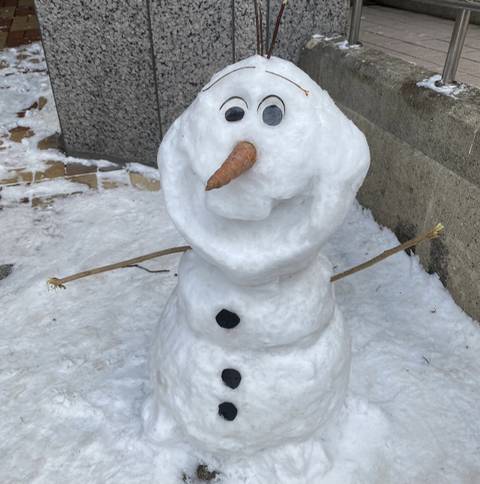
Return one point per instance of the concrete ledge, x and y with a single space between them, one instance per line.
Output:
425 157
383 89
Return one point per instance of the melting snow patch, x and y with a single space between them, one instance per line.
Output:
450 90
344 45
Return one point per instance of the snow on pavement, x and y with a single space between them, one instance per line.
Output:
73 363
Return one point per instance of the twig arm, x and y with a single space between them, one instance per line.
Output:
431 234
56 282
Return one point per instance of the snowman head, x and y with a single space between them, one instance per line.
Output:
295 163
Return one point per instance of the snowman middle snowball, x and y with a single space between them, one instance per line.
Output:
251 352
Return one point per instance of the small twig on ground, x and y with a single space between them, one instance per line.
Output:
136 266
430 235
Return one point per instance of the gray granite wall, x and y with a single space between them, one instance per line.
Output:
123 70
102 74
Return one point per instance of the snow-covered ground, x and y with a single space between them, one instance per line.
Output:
73 363
23 80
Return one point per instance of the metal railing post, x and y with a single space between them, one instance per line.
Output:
353 36
455 47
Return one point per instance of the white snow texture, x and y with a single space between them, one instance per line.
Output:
256 244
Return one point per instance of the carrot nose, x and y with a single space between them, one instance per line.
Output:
242 157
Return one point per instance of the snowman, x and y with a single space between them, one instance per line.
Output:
251 359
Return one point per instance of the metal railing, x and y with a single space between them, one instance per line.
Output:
464 7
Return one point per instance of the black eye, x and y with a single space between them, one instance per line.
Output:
272 115
235 113
272 109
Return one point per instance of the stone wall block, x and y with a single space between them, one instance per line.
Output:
191 41
101 69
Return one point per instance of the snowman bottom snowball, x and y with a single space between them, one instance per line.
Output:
251 352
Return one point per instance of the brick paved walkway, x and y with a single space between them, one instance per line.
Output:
18 23
420 39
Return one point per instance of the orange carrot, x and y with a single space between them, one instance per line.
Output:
242 157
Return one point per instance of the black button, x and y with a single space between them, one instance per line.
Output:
231 377
227 410
226 319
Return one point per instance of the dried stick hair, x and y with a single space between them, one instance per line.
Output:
257 26
260 21
277 26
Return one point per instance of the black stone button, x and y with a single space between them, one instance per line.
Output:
227 410
231 377
226 319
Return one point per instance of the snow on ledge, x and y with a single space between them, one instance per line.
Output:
451 90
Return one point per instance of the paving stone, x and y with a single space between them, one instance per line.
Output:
111 167
89 179
109 184
52 142
55 169
73 169
44 202
24 11
15 39
32 36
143 183
7 12
420 39
24 176
42 101
26 22
113 179
19 133
11 180
5 24
40 104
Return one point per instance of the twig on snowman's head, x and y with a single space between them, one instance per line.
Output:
289 80
277 26
225 75
257 26
260 21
